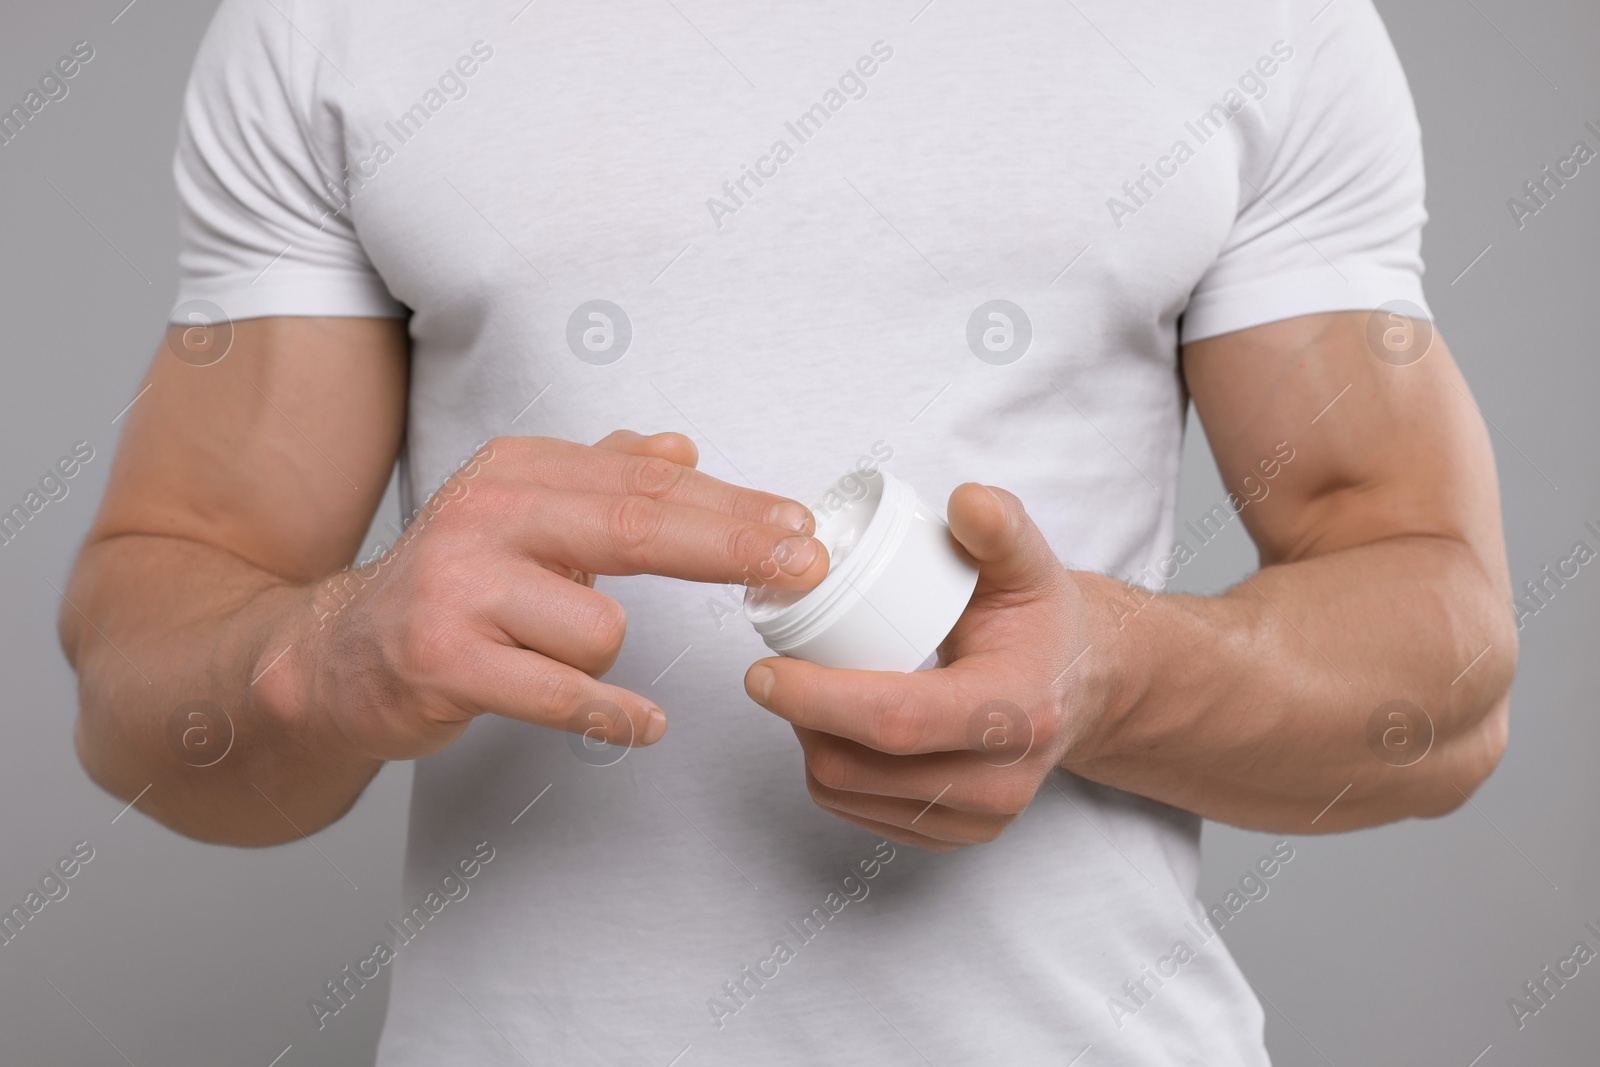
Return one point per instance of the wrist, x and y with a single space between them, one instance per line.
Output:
1106 687
286 691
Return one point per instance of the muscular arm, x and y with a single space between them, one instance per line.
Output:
1383 578
236 486
240 487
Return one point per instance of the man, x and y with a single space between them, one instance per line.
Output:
995 250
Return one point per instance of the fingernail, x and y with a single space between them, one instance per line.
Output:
759 683
790 516
795 555
655 727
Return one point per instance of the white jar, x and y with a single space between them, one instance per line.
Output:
897 582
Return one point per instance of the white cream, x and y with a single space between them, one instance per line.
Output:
897 582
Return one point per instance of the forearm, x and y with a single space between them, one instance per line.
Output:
1253 707
154 623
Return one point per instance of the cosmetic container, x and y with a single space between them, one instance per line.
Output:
897 582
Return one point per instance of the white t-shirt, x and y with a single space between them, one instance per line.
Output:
799 215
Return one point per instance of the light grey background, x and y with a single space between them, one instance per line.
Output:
1392 946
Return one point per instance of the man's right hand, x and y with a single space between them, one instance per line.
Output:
486 604
248 473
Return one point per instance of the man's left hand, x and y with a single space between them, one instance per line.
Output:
951 756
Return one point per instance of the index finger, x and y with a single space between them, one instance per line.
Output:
626 464
900 714
618 535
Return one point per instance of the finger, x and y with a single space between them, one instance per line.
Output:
531 606
900 714
520 684
995 529
615 470
897 834
674 447
919 817
642 535
960 781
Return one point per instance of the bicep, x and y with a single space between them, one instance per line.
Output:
279 452
1379 450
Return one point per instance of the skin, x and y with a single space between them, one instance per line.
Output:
1383 577
205 575
241 487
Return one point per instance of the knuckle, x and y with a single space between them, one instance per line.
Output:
653 476
897 723
821 795
477 500
604 625
750 545
633 521
562 693
830 768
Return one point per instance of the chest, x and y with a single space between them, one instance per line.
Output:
804 164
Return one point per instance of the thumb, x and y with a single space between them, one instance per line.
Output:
995 529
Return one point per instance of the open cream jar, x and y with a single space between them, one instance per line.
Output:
897 582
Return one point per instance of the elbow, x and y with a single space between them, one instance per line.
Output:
1476 752
1489 735
1475 726
1476 757
110 759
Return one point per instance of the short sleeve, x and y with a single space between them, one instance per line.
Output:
1331 194
263 228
